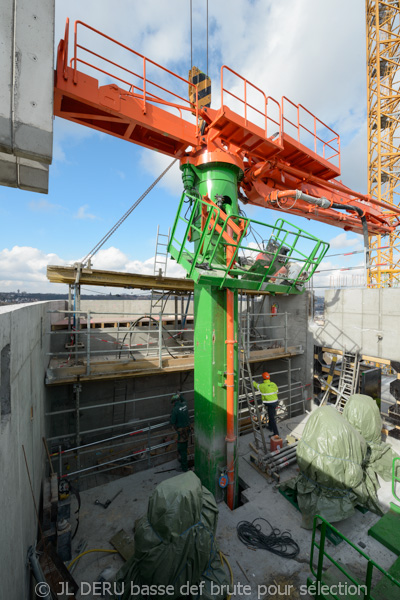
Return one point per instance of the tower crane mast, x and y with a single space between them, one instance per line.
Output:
383 82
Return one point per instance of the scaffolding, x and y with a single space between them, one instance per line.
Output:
125 443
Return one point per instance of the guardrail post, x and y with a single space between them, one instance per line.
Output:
286 344
368 578
321 554
160 339
248 330
144 86
148 445
88 343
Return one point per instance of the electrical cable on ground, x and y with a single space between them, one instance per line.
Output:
87 552
224 559
113 229
277 542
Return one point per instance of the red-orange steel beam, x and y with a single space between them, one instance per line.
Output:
132 108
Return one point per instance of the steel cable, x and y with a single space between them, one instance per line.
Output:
125 216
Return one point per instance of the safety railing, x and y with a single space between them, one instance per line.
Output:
395 480
320 584
317 136
143 438
201 240
260 114
127 336
137 83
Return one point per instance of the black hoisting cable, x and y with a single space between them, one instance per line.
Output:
191 37
207 39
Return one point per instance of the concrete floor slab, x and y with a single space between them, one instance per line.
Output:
265 573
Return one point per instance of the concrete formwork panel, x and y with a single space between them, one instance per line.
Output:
364 320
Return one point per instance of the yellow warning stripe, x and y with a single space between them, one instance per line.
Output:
203 84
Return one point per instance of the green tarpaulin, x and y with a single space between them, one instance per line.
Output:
363 414
175 545
334 469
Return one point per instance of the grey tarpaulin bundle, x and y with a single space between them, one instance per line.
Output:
338 465
175 542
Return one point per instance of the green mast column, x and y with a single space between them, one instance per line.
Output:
221 180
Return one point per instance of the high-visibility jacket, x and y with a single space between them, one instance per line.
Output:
268 389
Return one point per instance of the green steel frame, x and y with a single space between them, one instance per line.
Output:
395 479
199 240
318 583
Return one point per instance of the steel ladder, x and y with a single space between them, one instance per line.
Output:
250 396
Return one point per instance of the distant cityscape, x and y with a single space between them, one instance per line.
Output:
21 297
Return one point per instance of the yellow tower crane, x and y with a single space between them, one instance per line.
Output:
383 81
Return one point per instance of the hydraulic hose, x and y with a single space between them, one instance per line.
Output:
364 223
87 552
224 559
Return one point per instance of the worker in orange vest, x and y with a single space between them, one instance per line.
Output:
269 397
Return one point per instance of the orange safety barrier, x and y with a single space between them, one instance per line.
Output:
332 143
181 103
263 111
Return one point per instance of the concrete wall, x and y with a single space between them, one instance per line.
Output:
364 320
26 92
134 307
23 345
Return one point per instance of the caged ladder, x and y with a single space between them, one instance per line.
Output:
251 400
348 381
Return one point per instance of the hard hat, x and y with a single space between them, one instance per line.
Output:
266 375
177 397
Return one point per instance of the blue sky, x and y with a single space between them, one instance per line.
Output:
311 51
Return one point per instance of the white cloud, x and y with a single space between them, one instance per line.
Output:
155 163
343 241
24 268
43 205
113 259
82 214
110 259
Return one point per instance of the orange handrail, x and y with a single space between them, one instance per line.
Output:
187 105
317 138
244 101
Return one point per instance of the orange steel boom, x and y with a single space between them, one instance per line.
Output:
148 105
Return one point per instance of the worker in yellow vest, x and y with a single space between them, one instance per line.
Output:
269 397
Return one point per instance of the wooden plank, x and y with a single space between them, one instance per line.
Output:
124 543
146 366
381 361
67 275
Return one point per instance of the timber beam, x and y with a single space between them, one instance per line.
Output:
119 279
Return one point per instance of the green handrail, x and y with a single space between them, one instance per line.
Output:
371 564
395 479
202 262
